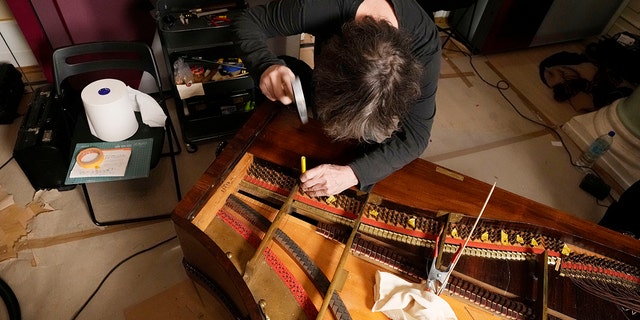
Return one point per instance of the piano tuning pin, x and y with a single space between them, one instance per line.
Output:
263 305
494 236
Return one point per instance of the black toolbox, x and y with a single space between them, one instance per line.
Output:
43 146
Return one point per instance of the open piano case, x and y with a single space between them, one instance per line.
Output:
524 260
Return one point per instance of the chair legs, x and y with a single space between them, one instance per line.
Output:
171 137
171 134
174 150
92 214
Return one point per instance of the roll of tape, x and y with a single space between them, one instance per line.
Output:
90 158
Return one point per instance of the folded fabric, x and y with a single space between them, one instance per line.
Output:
399 299
151 112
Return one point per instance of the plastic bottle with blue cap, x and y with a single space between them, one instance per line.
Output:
597 148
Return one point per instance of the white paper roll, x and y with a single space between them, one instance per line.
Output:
109 110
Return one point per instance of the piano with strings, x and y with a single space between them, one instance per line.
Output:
265 250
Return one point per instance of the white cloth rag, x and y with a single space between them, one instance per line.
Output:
399 299
151 112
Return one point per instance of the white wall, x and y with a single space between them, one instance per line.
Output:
12 40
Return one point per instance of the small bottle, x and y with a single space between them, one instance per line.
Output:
597 148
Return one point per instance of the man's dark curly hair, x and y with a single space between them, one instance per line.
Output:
365 80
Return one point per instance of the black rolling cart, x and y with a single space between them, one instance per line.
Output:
214 95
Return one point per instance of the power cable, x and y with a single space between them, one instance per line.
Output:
113 269
10 303
6 163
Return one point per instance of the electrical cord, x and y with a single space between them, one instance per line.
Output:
6 163
75 316
502 86
10 303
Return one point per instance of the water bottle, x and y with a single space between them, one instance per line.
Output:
597 148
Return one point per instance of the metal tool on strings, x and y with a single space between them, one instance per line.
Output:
438 274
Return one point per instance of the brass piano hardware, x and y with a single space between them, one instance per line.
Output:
450 173
504 237
263 305
319 214
386 234
381 214
330 199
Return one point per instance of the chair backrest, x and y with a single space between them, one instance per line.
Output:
103 56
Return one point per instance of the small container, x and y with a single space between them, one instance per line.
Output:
597 148
198 73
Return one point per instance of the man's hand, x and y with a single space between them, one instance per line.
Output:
276 84
327 180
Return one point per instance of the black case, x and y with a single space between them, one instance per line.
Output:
11 91
44 141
